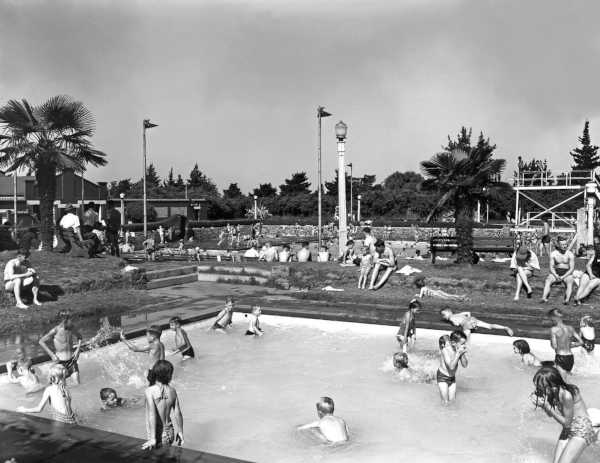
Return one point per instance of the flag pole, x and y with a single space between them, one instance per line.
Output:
144 180
319 175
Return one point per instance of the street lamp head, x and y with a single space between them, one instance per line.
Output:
255 197
359 197
122 195
341 130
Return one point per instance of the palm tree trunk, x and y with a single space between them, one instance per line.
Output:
45 174
463 221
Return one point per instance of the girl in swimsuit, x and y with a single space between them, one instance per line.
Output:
564 403
521 347
453 351
58 396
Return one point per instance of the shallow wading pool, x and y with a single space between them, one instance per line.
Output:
243 396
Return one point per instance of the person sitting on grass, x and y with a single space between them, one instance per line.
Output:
366 263
184 346
285 255
225 316
591 279
66 354
426 291
562 265
521 347
58 396
349 257
453 351
303 255
329 428
18 276
523 263
268 253
154 348
162 408
383 258
21 371
469 324
254 328
407 331
323 255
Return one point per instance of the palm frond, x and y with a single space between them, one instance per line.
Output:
17 118
62 113
440 205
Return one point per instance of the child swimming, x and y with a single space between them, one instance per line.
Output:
400 360
254 328
58 396
330 428
21 371
184 346
468 324
407 331
587 333
521 347
224 318
453 351
109 398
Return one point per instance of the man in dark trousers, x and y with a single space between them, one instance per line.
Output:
113 224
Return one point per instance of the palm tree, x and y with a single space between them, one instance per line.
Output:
47 139
462 177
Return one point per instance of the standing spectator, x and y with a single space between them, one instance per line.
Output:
369 239
113 226
161 234
90 216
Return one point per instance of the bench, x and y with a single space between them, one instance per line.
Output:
439 244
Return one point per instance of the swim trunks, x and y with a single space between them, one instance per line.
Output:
589 344
70 365
561 271
216 326
68 419
566 362
581 427
189 352
250 333
444 378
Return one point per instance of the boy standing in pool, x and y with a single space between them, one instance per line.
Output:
254 328
184 346
453 350
63 337
407 331
224 318
154 348
331 428
560 340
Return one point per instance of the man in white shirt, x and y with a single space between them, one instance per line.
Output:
303 255
70 228
17 276
268 253
285 255
252 252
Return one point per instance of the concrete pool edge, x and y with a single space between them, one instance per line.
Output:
29 438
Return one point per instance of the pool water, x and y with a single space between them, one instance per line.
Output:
243 396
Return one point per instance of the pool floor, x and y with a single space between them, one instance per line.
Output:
243 397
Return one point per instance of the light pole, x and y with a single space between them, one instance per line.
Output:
122 196
351 217
341 130
359 197
320 113
146 125
255 208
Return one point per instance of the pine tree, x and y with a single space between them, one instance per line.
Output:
152 178
586 157
170 180
297 184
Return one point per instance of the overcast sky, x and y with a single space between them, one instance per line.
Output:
234 85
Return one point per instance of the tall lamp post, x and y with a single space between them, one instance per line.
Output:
359 197
320 114
122 196
351 209
341 130
146 125
255 207
15 203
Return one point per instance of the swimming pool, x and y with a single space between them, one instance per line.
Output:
243 397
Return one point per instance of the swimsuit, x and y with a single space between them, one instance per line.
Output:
566 362
250 333
444 378
561 271
63 418
71 366
582 427
189 352
411 328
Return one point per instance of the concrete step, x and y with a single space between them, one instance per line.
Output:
172 281
232 278
235 270
166 273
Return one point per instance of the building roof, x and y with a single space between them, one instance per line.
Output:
7 184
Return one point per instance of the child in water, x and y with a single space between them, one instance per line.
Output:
521 347
425 291
109 398
254 328
224 318
587 333
184 346
154 348
407 331
400 361
366 263
22 372
58 396
331 428
453 352
468 324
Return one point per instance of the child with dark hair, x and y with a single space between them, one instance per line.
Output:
521 347
184 346
383 258
453 351
109 398
562 338
563 402
407 331
162 405
154 348
224 317
400 360
468 323
331 428
254 328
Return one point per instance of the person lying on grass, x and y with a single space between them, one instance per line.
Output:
426 291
